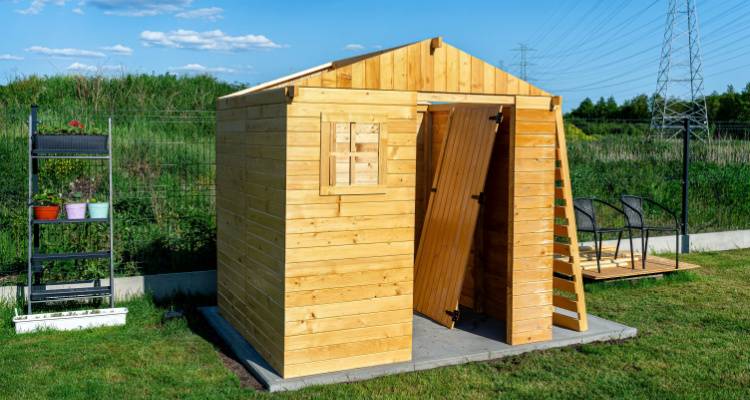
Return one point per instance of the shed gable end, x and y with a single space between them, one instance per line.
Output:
429 65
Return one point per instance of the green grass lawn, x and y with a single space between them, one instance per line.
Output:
693 342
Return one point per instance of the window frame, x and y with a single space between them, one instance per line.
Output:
328 123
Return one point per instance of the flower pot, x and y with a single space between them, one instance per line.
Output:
75 210
46 212
99 210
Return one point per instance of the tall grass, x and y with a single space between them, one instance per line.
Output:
163 144
142 93
612 165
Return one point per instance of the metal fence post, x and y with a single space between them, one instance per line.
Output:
685 239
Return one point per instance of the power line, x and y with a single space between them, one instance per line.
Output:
629 59
588 36
554 27
555 16
562 37
615 32
605 40
602 42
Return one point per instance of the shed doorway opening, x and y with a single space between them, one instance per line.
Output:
462 212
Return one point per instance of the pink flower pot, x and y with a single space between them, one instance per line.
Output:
75 210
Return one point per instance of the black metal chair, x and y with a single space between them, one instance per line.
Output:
585 211
635 218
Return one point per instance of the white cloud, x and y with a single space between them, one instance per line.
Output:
36 6
140 8
78 10
118 49
200 69
10 57
81 68
354 47
209 40
209 13
78 67
66 52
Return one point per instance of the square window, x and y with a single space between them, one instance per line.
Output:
353 154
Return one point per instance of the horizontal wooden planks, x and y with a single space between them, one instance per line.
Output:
530 281
348 258
250 164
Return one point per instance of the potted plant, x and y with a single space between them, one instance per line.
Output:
71 138
97 208
46 205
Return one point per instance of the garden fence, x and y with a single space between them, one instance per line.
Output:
163 186
164 167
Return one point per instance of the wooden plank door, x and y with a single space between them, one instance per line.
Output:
452 210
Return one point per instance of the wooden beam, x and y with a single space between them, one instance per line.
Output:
555 103
290 92
573 267
436 43
432 97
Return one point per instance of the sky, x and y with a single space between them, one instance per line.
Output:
579 48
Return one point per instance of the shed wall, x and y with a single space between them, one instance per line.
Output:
529 281
250 208
348 258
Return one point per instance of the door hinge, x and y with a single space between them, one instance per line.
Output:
455 314
433 190
478 197
497 118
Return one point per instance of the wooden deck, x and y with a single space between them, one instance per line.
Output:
621 267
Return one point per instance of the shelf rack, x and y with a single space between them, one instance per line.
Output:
37 292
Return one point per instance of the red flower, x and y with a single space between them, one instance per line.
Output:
76 124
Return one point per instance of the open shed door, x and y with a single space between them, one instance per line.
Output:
448 229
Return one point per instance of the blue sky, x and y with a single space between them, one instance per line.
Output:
581 47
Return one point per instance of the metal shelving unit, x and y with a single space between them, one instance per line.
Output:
36 260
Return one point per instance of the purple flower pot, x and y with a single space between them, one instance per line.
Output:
75 210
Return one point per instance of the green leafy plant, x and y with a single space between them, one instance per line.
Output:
47 198
73 127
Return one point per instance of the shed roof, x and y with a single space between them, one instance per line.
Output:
429 65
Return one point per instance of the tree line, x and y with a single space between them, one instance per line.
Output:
731 105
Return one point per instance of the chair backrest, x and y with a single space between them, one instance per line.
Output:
633 208
585 215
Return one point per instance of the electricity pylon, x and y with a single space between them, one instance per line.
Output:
679 85
523 63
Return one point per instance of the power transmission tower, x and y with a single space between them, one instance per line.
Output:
679 84
523 64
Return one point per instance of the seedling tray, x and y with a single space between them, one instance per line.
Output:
69 144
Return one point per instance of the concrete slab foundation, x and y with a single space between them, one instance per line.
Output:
475 338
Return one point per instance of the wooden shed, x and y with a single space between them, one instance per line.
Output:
415 178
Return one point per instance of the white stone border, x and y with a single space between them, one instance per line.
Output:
71 320
711 241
